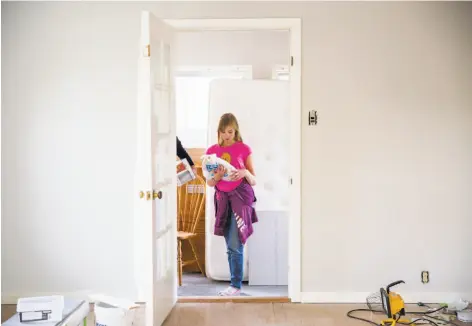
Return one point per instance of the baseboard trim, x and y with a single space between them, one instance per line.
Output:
12 298
360 297
305 297
237 299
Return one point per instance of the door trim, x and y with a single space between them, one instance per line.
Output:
293 25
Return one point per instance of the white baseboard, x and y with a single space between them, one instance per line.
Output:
12 298
360 297
305 297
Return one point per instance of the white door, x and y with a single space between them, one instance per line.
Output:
156 195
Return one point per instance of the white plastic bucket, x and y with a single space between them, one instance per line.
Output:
114 312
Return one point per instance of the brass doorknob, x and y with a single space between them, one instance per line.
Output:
148 195
141 194
157 194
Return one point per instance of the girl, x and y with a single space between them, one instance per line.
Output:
233 199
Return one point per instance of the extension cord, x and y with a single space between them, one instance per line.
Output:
432 315
448 317
449 312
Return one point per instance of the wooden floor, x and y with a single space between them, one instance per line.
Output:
256 314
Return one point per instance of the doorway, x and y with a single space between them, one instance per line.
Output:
190 72
245 73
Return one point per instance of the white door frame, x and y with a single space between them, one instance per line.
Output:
293 25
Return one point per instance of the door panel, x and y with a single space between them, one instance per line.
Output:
156 211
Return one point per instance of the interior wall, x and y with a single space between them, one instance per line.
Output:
69 76
260 49
386 173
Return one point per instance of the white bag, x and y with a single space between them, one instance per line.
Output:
114 312
211 162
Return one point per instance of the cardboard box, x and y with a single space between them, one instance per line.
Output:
74 314
184 172
48 308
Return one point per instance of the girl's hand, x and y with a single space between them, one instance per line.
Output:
238 174
220 172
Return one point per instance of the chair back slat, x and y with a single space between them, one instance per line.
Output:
191 203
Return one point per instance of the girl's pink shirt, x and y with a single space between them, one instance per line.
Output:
236 155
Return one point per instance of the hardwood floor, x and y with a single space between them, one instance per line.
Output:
273 314
252 314
8 310
257 314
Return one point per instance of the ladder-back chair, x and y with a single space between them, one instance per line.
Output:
190 208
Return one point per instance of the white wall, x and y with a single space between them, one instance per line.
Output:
387 173
68 150
260 49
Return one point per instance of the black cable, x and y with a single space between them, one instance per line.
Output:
421 304
448 322
425 312
429 322
349 314
420 313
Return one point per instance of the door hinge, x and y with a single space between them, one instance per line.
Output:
291 61
291 181
147 50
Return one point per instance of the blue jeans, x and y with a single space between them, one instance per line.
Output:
235 253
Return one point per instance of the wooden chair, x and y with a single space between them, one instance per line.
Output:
190 208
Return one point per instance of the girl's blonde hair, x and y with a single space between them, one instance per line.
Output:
229 120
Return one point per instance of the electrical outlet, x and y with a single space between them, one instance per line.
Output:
425 277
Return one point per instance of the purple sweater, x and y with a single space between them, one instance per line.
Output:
240 200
